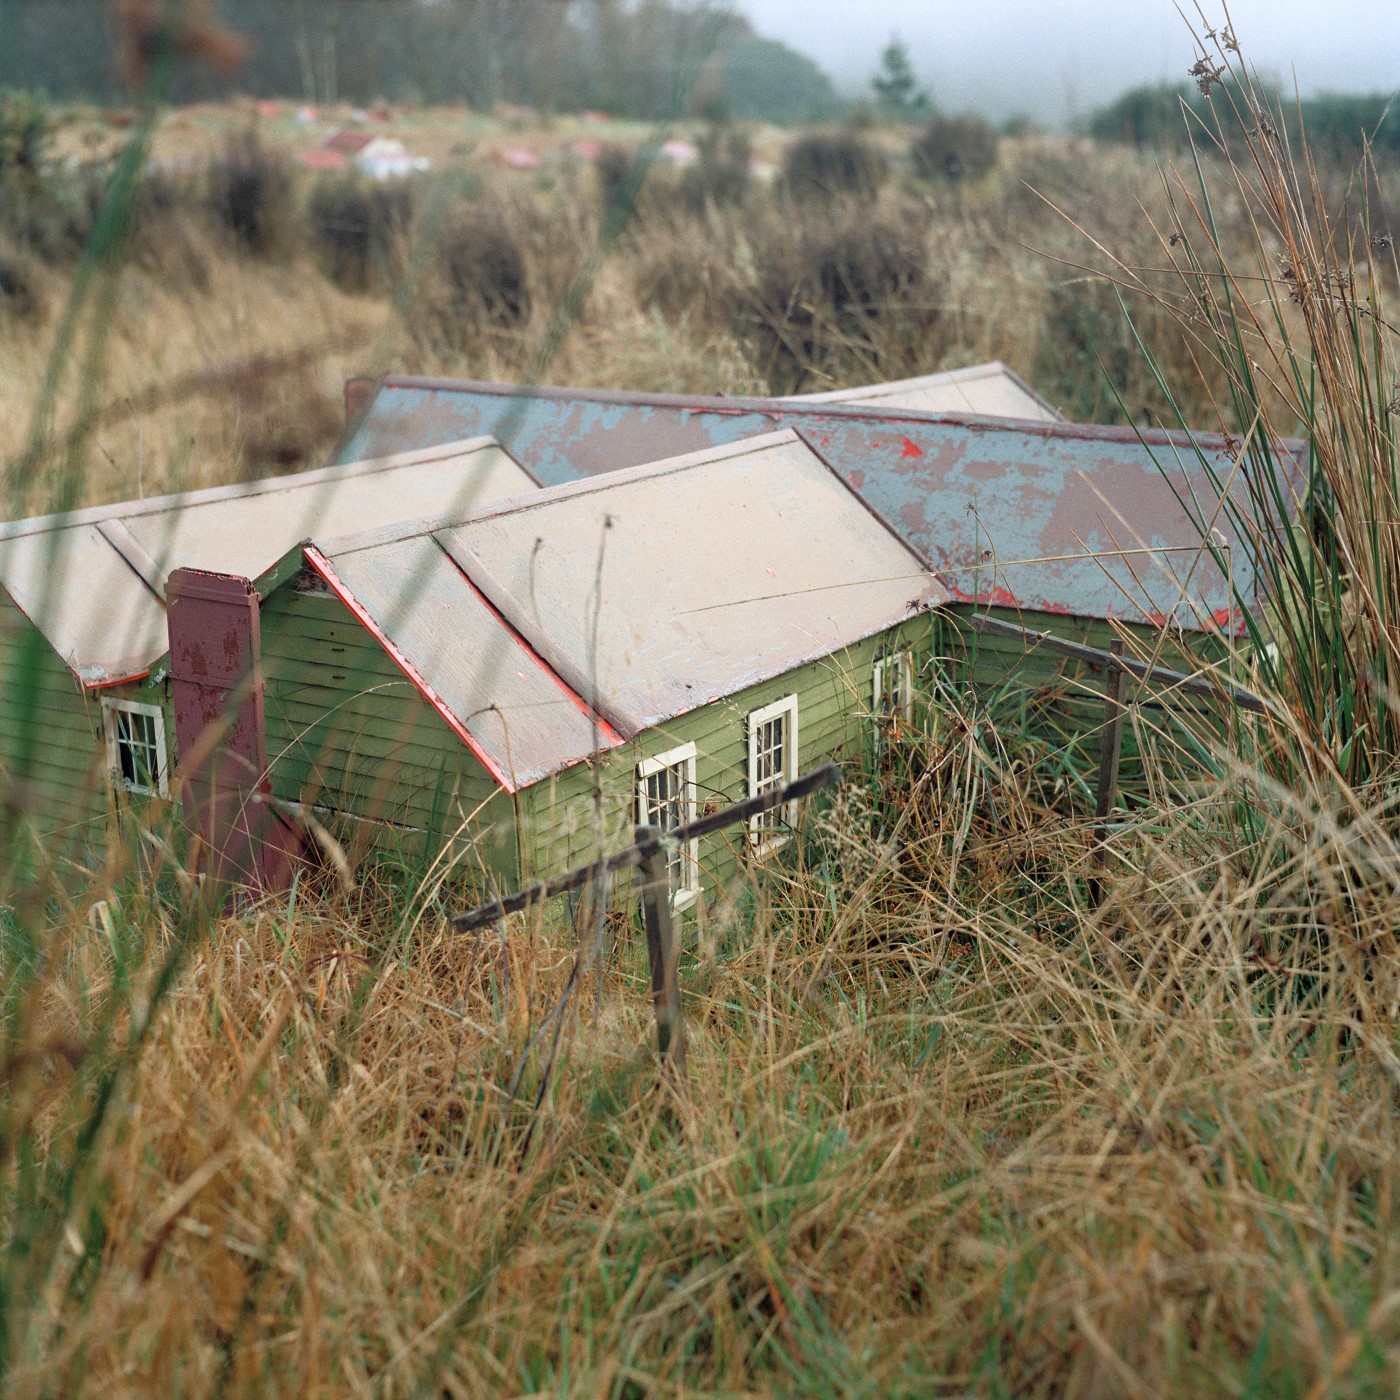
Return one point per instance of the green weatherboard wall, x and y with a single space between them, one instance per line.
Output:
1059 704
348 732
349 735
53 754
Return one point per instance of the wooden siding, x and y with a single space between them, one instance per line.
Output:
1059 703
347 731
833 701
43 710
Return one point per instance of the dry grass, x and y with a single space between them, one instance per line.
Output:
952 1129
949 1130
225 364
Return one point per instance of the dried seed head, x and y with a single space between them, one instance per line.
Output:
1207 75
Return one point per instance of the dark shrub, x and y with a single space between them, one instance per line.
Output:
20 294
287 421
359 230
25 129
613 169
46 211
955 148
1150 115
478 286
722 175
251 196
828 164
845 301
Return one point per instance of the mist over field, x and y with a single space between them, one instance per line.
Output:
1053 60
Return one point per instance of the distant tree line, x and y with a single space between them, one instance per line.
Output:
1336 124
647 59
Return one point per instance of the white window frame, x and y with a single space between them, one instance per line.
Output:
762 836
683 758
905 663
110 709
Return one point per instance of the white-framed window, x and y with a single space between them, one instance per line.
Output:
772 764
136 752
892 688
666 799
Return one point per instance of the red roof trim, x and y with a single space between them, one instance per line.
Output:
121 680
322 565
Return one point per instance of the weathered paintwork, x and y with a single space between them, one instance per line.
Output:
518 718
93 581
545 635
217 696
991 390
1061 518
660 589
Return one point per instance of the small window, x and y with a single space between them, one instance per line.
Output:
136 747
892 689
666 799
772 764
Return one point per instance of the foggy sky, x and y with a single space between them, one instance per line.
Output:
1057 59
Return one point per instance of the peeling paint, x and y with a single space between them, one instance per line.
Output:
1080 520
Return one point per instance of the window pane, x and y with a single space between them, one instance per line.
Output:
138 750
893 690
664 793
770 764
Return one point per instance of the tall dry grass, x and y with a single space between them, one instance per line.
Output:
954 1126
950 1128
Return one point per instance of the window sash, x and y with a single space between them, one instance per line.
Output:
772 764
136 752
892 687
666 799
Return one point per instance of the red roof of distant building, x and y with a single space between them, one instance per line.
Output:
323 160
348 143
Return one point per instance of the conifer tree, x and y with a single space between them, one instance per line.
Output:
897 91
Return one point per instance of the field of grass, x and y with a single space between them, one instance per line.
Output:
247 295
953 1127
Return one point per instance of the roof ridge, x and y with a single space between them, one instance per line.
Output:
242 490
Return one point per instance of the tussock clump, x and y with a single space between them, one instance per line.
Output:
846 301
962 148
478 286
287 420
252 198
834 164
496 264
170 230
681 272
1090 361
722 177
359 229
22 296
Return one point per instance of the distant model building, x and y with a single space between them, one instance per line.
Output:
525 686
86 723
